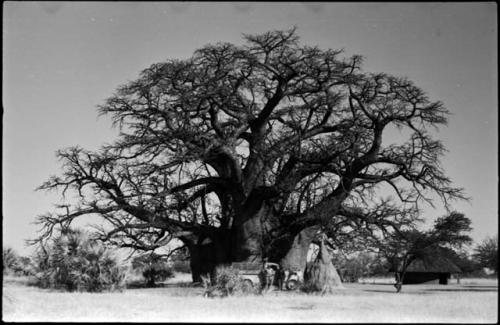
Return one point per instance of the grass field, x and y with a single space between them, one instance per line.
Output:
471 301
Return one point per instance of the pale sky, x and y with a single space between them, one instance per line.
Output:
62 59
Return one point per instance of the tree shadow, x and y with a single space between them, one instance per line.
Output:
384 291
302 307
395 291
143 285
482 289
480 286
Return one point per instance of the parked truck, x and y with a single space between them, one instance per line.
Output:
254 275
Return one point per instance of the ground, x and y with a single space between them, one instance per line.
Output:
471 301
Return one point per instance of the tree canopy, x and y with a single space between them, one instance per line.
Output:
250 148
486 253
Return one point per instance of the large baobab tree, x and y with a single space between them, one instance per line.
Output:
244 152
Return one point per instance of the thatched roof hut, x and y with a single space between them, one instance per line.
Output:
435 267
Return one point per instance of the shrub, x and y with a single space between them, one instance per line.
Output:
25 266
153 267
15 264
73 262
227 282
308 287
181 266
10 260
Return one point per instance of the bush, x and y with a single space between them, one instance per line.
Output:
73 262
228 282
10 261
14 264
153 267
308 287
181 267
25 266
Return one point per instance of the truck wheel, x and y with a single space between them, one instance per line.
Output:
247 285
292 284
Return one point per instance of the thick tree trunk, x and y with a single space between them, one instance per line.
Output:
295 256
151 282
251 242
247 241
251 237
199 264
206 253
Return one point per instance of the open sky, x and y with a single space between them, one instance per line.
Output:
61 59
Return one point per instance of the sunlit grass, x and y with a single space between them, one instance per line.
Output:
390 280
471 302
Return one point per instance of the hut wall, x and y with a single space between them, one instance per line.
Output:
426 277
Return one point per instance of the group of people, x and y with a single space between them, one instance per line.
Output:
272 272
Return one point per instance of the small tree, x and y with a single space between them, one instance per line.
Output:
486 253
154 268
402 247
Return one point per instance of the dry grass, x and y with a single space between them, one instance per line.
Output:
390 280
464 303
